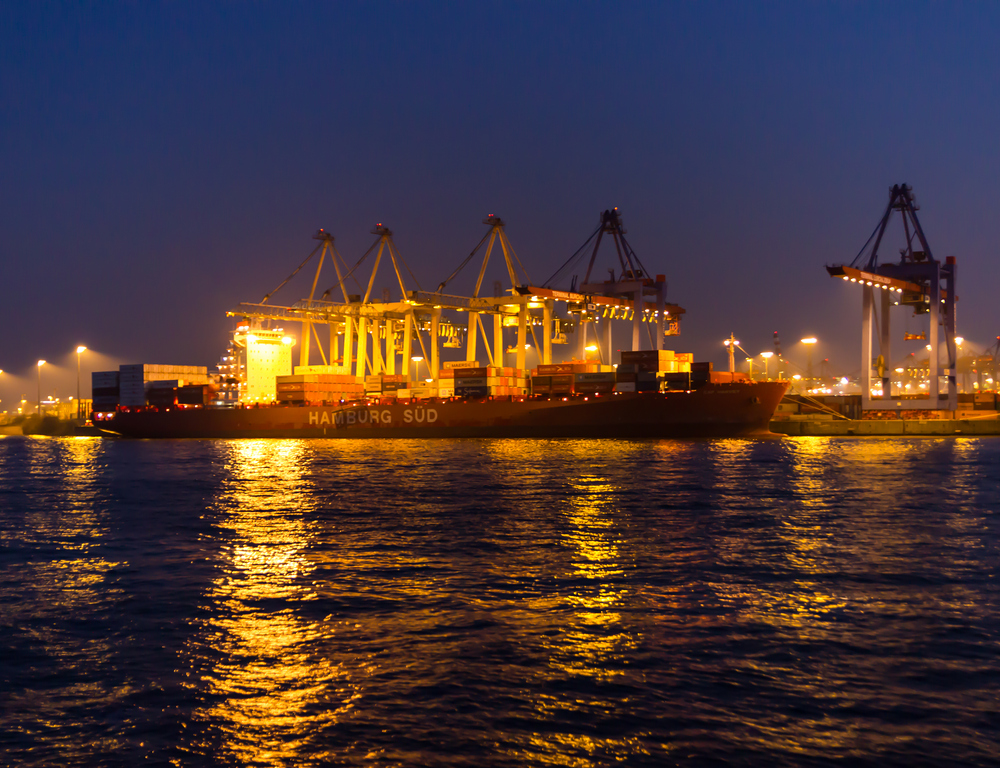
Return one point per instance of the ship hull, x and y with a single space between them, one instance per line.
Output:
715 410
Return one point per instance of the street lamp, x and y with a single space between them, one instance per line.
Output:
809 358
767 359
418 360
79 351
40 364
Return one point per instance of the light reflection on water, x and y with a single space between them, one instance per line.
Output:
572 603
265 677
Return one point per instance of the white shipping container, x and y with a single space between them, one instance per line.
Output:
446 391
625 386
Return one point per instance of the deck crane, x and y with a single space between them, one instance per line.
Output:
917 280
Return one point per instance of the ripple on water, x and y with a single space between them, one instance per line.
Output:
279 602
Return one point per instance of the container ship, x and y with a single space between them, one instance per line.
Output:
698 403
370 385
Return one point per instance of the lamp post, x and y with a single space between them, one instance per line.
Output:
418 360
767 358
79 351
809 358
39 404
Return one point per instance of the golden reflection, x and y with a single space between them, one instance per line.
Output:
72 518
269 689
65 578
594 643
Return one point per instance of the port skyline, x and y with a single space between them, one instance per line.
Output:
753 160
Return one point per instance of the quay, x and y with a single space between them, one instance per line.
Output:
829 416
887 428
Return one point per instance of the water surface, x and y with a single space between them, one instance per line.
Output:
812 601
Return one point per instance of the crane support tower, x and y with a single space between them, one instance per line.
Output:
918 281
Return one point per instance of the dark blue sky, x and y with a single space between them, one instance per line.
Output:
162 162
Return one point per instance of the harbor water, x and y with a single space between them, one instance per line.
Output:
798 601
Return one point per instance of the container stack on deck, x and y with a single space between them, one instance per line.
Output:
301 388
140 384
573 377
385 385
137 380
652 370
655 370
484 381
105 391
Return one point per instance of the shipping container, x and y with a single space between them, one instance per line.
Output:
548 370
104 379
647 356
595 387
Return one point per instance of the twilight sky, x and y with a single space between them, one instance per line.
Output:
161 162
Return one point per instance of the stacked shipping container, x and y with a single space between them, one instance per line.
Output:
130 385
302 388
652 369
104 388
485 381
573 377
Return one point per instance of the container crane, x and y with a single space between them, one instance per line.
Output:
917 280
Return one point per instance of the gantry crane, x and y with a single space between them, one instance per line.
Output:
362 321
917 280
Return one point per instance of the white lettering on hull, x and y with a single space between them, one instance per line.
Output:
372 417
